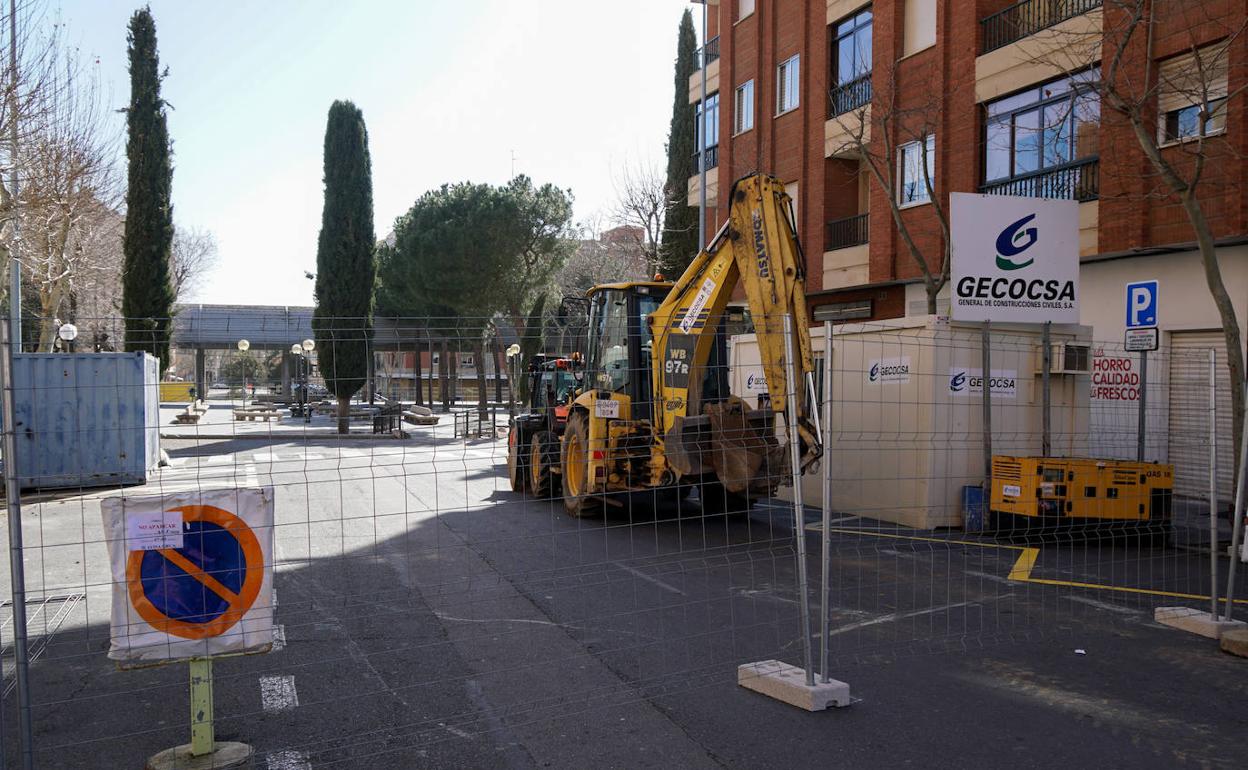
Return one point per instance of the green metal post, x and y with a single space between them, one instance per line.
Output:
202 734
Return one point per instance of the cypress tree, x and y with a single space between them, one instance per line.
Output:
147 286
345 259
680 222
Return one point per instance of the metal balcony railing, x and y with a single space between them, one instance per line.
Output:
1027 18
843 233
850 96
712 158
1079 181
709 52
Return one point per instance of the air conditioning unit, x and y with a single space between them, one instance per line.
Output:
1066 358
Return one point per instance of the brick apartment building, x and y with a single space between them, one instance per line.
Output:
997 97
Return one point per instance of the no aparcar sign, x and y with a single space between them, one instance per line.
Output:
192 574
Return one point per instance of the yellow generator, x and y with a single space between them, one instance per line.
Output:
1050 494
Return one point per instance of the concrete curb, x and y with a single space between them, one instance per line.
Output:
282 436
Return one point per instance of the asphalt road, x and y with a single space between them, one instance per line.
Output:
430 617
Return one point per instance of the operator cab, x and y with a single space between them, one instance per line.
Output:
620 342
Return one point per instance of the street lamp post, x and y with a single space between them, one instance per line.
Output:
513 357
243 347
307 346
68 333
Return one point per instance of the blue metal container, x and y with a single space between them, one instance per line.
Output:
86 419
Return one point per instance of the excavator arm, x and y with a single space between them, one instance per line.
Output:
757 247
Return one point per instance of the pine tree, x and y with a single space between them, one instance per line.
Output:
680 224
147 286
345 259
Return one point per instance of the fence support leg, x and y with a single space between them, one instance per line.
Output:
793 685
1213 485
1237 526
17 566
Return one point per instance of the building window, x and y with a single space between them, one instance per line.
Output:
1192 92
851 56
708 120
913 182
1047 134
744 8
788 77
743 108
919 30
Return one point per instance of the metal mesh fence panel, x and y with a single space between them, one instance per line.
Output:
487 570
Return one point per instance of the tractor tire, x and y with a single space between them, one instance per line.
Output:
517 472
574 457
543 454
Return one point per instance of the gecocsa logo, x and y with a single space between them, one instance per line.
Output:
1014 240
957 382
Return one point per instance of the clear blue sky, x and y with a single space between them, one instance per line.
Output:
449 89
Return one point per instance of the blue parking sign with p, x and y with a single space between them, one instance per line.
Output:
1141 304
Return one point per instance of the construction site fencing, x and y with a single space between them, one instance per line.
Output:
431 600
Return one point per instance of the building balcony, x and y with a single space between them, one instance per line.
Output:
1024 47
712 158
847 232
711 63
712 185
1027 18
1078 181
849 96
709 52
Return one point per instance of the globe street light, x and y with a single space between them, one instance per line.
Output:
68 333
513 358
243 347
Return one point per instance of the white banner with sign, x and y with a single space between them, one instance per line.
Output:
192 574
888 370
963 381
1014 259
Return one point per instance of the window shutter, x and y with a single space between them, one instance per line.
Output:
1181 83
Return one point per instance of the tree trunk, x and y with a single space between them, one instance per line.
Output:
483 388
1230 323
344 414
933 288
417 368
444 377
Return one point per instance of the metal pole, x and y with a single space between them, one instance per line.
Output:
1141 424
1213 485
1046 445
799 508
1237 529
203 731
702 143
15 265
17 576
826 556
985 390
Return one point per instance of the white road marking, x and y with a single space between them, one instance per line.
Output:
286 760
817 526
279 638
896 616
1103 605
277 694
350 452
219 460
649 579
455 731
987 576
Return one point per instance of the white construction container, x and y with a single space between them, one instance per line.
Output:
907 428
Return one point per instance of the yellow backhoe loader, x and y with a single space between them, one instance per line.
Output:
654 412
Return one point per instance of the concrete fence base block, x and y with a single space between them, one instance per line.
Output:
225 754
1195 621
1235 641
788 684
